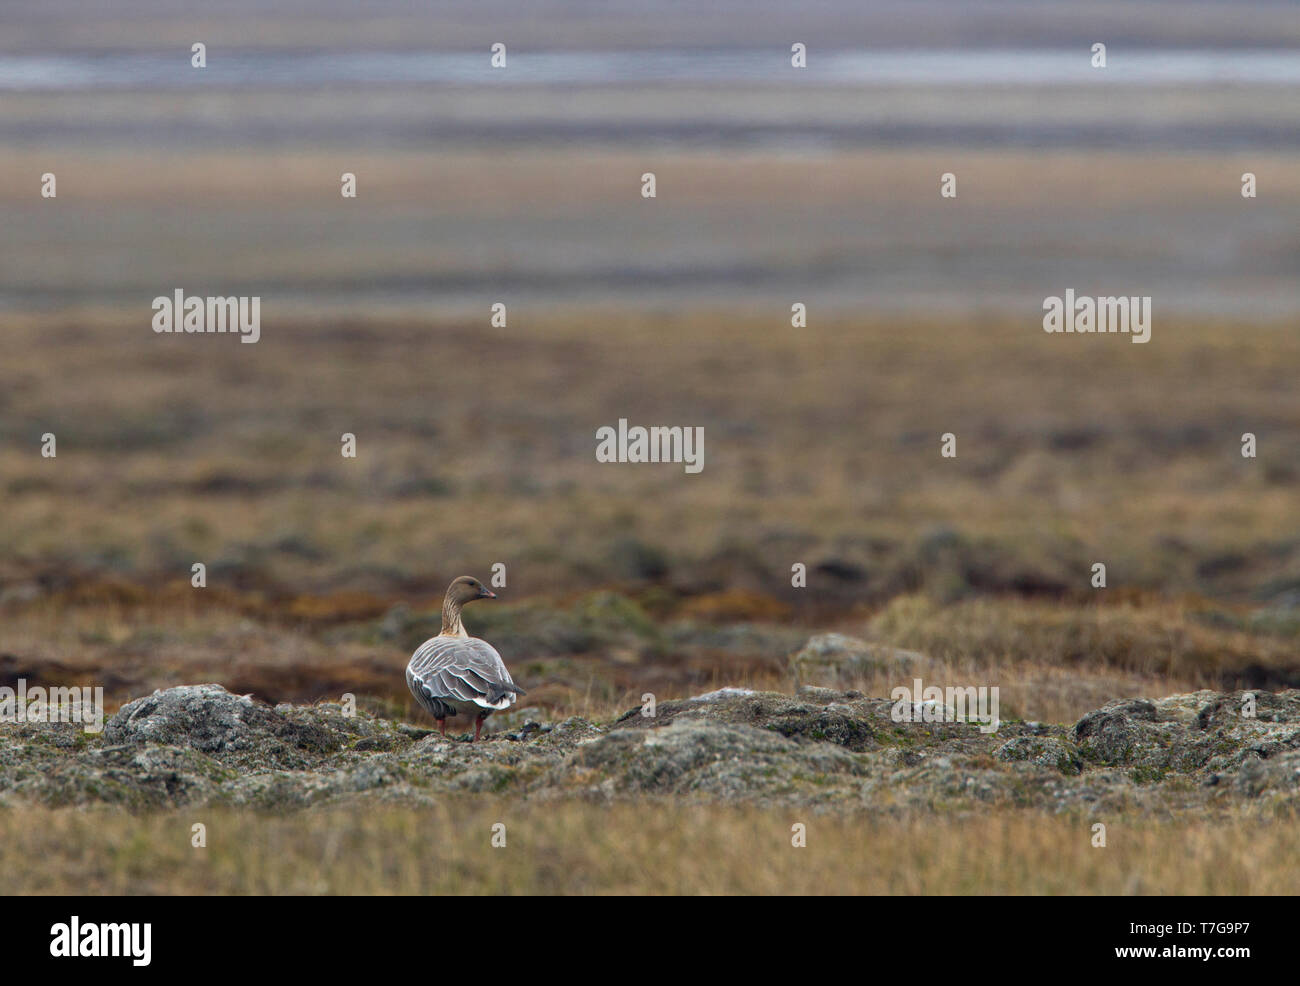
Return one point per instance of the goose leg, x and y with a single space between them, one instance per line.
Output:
442 726
478 724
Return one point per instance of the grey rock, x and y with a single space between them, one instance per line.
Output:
702 757
823 748
834 660
1045 751
209 719
722 694
1112 734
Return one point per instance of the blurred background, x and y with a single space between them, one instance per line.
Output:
774 186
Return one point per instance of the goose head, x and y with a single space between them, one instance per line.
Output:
466 589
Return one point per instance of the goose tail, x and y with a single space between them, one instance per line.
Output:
503 693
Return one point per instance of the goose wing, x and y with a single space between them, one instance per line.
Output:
464 669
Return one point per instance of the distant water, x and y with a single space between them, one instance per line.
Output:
248 68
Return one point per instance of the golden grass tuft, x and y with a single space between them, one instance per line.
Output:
571 848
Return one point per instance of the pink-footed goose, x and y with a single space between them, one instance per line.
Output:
454 673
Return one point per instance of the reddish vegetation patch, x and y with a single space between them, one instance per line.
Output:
735 604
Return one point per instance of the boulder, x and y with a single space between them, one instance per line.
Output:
1045 751
701 756
211 720
1113 734
834 660
825 748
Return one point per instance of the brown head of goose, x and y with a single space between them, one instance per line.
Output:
454 673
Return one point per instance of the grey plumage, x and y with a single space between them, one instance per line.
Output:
454 673
448 675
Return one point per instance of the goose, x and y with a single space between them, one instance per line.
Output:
454 673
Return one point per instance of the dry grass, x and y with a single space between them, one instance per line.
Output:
821 446
576 848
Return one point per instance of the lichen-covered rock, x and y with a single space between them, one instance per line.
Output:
211 720
834 660
1203 734
1277 774
700 756
1112 735
820 748
1045 751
